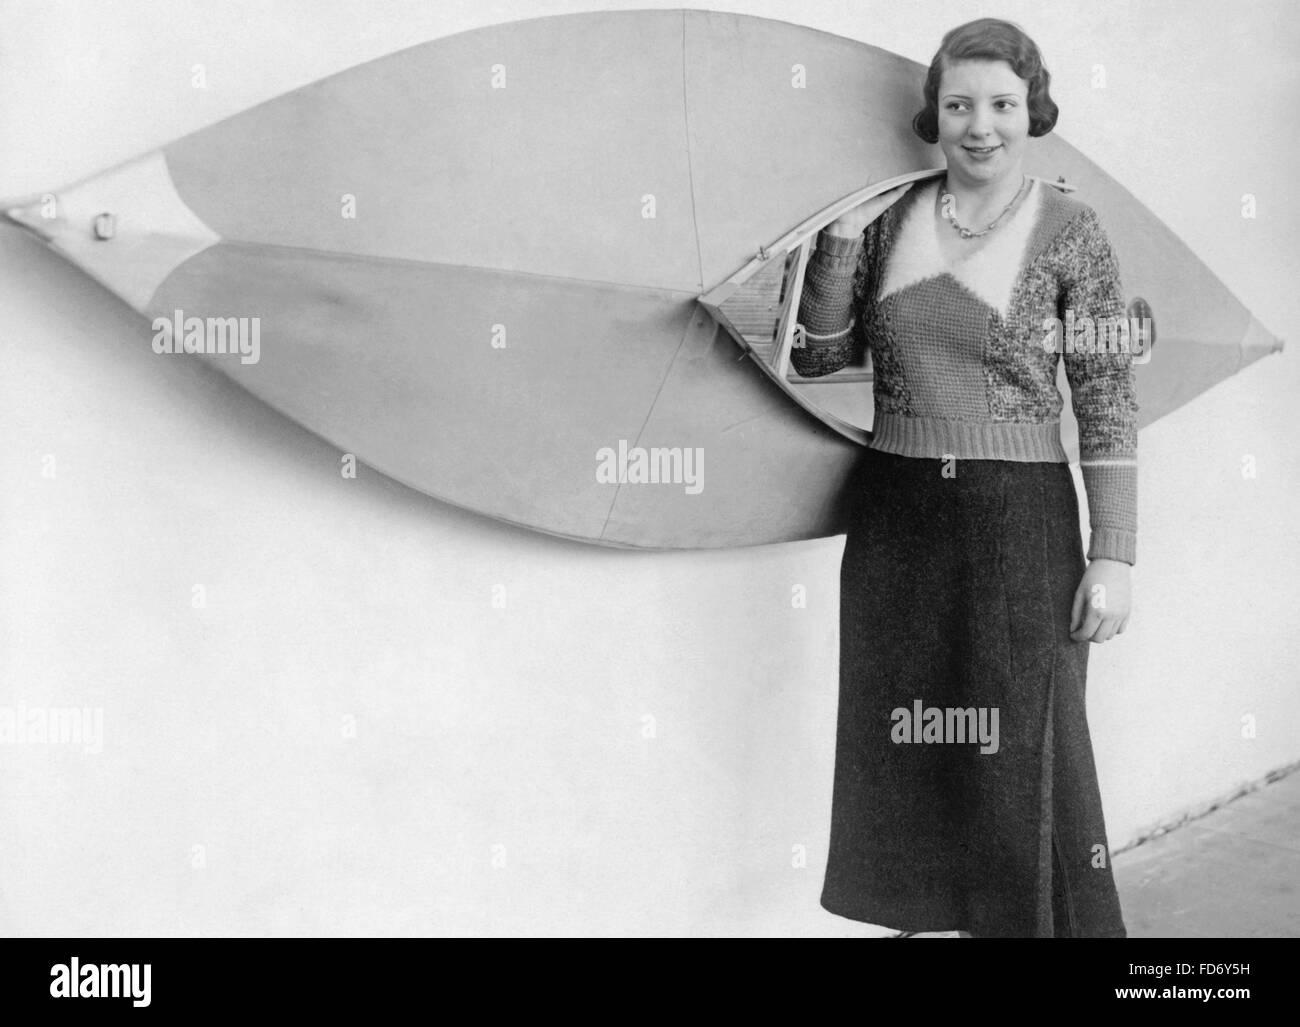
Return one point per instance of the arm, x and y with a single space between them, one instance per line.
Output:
830 301
826 307
1103 394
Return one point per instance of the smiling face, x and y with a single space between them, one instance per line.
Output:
983 121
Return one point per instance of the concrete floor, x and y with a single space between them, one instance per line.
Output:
1234 873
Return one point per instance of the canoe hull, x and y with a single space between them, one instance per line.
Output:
475 262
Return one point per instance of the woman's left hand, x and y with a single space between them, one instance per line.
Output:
1101 602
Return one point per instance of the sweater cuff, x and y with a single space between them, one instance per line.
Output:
839 248
1113 544
1111 484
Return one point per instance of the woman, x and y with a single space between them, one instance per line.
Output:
967 608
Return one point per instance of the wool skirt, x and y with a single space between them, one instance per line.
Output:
965 792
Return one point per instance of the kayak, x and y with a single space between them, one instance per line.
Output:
546 270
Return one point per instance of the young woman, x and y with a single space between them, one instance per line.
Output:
965 794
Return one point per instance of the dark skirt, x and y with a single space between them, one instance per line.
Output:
955 594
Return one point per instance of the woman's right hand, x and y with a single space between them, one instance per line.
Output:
853 222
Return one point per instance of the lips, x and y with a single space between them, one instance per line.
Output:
981 151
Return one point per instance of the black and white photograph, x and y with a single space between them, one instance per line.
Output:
546 470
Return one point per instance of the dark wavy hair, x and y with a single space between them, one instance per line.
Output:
989 39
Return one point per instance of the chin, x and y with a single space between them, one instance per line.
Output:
979 171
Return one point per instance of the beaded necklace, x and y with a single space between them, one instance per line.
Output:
948 210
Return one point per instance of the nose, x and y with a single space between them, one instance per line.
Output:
979 125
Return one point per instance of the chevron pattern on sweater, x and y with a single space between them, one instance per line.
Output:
989 268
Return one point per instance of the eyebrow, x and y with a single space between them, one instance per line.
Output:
963 96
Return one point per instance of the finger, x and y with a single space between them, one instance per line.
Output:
1091 621
1107 630
1084 619
1076 611
1122 625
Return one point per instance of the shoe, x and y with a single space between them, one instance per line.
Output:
932 934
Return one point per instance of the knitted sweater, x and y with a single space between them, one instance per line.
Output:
962 365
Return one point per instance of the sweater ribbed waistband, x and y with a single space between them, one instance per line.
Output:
937 437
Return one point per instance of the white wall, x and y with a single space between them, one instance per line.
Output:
524 727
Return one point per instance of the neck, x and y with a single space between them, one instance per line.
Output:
976 199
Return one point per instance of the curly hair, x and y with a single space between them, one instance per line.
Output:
989 39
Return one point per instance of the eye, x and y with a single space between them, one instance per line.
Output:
954 105
1006 105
